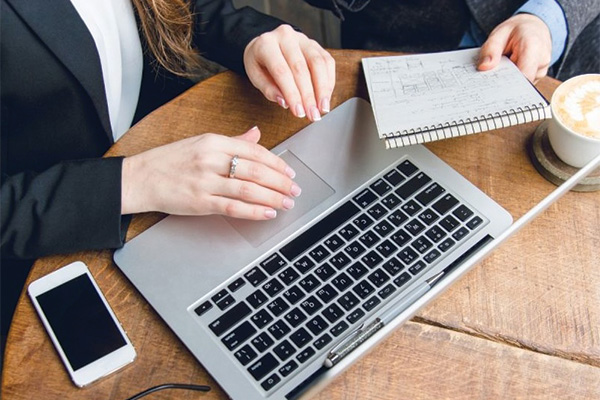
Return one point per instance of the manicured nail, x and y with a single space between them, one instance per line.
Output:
270 214
295 190
253 128
325 106
290 172
288 203
281 102
300 113
315 114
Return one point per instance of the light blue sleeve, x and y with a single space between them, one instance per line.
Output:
548 11
553 15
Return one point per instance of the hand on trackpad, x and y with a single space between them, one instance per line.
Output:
314 191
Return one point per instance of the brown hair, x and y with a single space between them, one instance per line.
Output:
167 26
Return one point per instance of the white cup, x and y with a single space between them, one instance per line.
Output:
574 130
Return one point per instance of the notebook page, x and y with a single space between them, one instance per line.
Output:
418 92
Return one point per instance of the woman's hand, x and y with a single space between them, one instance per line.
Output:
292 70
191 177
526 39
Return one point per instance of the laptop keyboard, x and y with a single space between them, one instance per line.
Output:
321 285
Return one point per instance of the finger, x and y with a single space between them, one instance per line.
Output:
262 80
264 176
527 63
297 62
246 150
322 71
238 209
252 193
252 135
494 47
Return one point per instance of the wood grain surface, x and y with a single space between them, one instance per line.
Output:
523 324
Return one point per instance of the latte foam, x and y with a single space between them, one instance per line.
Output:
576 103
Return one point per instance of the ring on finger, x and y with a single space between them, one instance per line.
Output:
233 165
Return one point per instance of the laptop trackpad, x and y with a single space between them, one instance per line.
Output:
314 191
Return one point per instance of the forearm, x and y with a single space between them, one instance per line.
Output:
70 207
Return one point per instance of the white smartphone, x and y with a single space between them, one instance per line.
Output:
87 335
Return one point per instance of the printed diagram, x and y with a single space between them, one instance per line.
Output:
409 77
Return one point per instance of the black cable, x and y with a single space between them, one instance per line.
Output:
199 388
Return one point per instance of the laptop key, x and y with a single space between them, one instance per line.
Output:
202 308
386 248
418 267
261 318
311 305
357 270
474 222
387 291
435 234
348 232
400 237
383 228
407 168
380 187
279 329
394 177
460 234
263 366
414 227
340 260
304 264
446 244
245 355
284 350
309 283
397 218
371 303
378 277
430 194
369 239
365 198
339 328
371 259
449 223
462 212
428 216
402 279
262 342
414 184
322 341
288 275
273 264
411 207
256 299
319 253
325 271
333 312
288 368
305 354
341 282
273 287
393 266
229 318
348 301
220 295
225 302
318 231
445 204
363 289
238 336
270 382
355 315
432 256
294 294
317 325
334 242
278 306
255 276
295 317
237 284
327 293
301 337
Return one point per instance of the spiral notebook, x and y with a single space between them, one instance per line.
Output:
428 97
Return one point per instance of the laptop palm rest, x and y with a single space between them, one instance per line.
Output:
314 191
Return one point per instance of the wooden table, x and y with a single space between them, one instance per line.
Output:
525 323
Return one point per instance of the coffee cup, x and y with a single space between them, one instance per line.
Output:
574 130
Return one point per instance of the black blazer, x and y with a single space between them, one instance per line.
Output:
57 194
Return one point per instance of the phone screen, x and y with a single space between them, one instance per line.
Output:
80 321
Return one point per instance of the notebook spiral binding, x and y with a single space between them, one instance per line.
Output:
483 123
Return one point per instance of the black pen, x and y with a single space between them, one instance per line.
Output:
362 334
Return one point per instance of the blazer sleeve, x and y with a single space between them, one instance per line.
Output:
72 206
222 32
579 14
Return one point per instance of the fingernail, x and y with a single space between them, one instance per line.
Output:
300 113
281 102
253 128
315 114
295 190
270 214
485 60
288 203
290 172
325 106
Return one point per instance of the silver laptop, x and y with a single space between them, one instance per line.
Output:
276 309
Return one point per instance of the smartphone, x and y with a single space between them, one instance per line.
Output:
88 337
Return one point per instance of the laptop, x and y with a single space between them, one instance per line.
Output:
276 309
